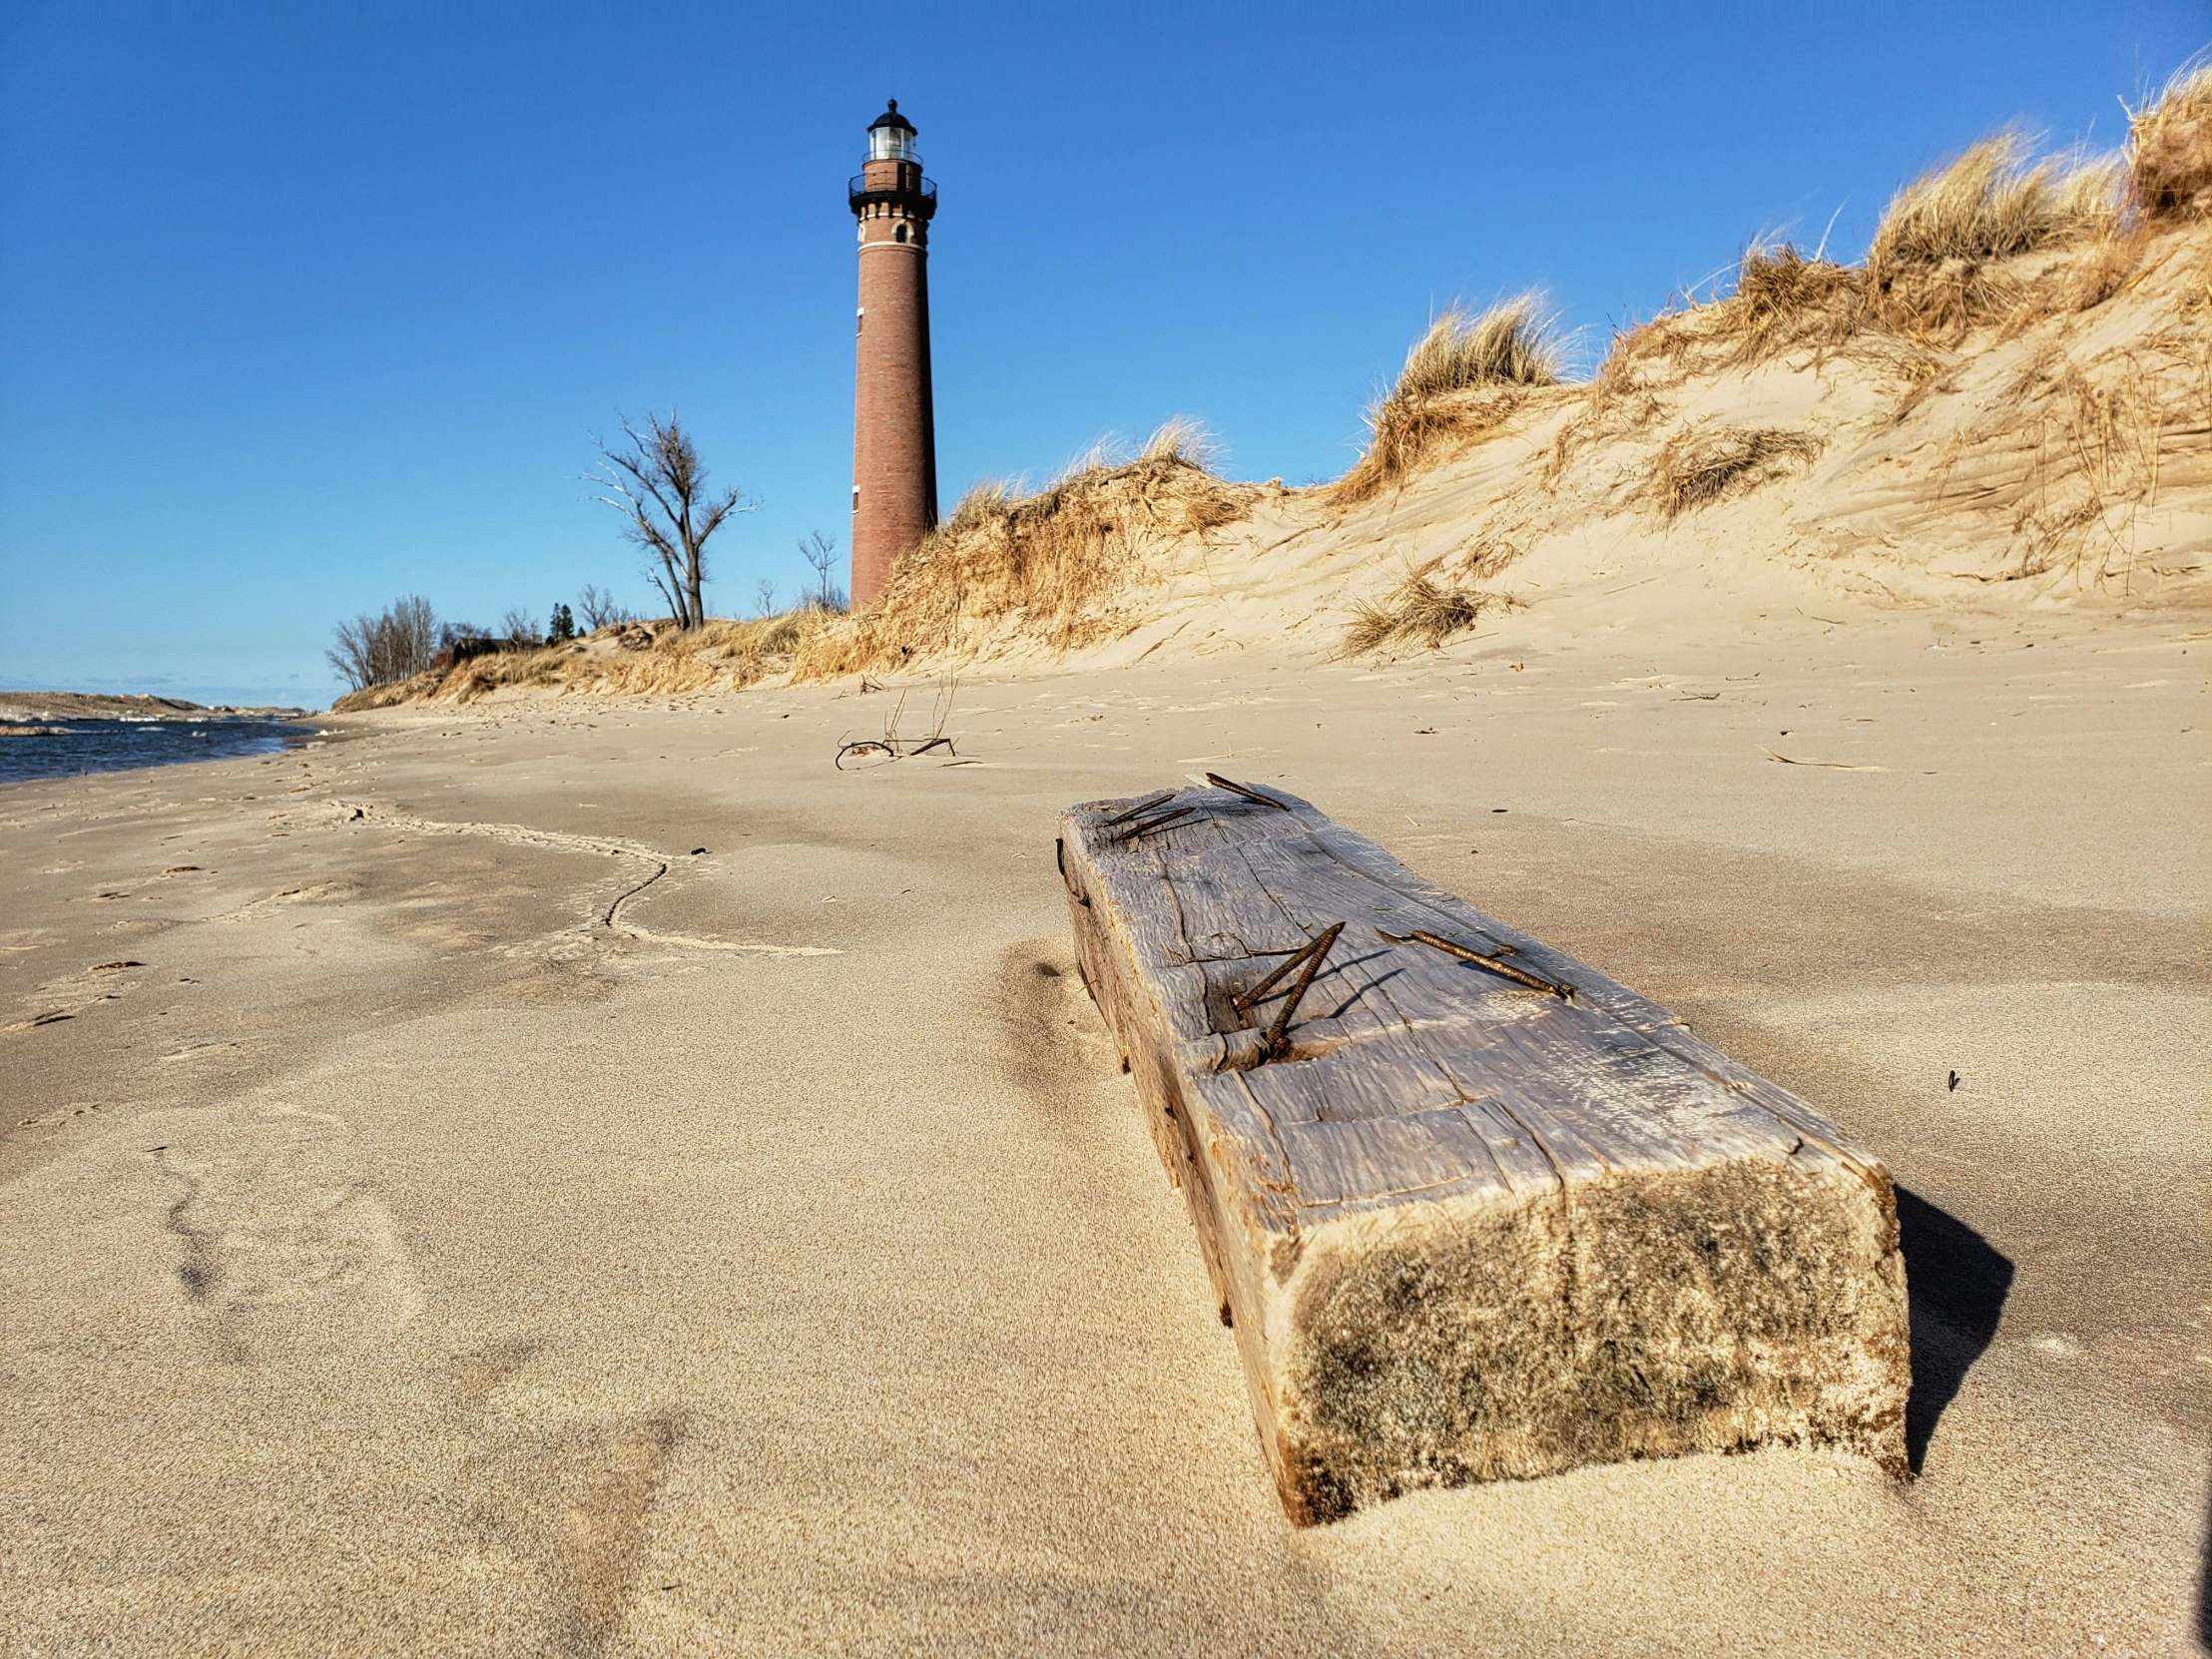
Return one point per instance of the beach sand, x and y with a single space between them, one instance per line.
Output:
399 1257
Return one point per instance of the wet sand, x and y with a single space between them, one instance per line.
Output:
472 1221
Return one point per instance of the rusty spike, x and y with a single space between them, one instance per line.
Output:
1245 790
1281 1025
1142 806
1518 976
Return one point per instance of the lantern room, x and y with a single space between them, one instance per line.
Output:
891 138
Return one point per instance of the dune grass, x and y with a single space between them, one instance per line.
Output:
1698 467
1950 254
1057 564
1421 613
1996 202
2169 149
1513 346
637 657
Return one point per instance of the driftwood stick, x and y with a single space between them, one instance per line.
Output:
863 746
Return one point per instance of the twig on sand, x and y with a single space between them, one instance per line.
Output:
1831 765
893 745
941 710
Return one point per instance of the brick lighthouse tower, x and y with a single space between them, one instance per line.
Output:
894 440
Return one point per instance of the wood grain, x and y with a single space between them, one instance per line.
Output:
1468 1229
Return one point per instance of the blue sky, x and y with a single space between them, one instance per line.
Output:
302 307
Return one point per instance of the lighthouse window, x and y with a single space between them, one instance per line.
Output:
891 143
900 234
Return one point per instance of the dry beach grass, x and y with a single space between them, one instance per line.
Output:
1460 380
627 659
1420 612
2169 150
1053 566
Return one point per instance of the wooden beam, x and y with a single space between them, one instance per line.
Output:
1476 1211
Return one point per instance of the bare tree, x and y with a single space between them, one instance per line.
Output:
658 483
764 597
376 649
350 656
599 608
820 551
519 627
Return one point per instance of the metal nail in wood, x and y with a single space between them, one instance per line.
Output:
1534 982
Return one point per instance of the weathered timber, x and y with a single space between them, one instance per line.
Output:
1467 1227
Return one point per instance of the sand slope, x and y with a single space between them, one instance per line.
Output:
2055 460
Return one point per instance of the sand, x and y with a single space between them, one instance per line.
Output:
398 1257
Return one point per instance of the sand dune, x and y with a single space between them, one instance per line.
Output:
2057 454
2063 460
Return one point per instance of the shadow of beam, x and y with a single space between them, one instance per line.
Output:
1957 1282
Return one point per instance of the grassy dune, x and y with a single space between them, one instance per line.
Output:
2006 399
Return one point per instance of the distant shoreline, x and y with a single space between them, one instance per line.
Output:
17 706
59 736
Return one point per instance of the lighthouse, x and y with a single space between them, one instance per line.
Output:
895 441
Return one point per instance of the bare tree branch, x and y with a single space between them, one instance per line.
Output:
599 609
658 485
820 551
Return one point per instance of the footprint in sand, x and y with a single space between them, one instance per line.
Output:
567 1498
296 1266
287 1252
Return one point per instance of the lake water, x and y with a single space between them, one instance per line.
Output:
67 748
